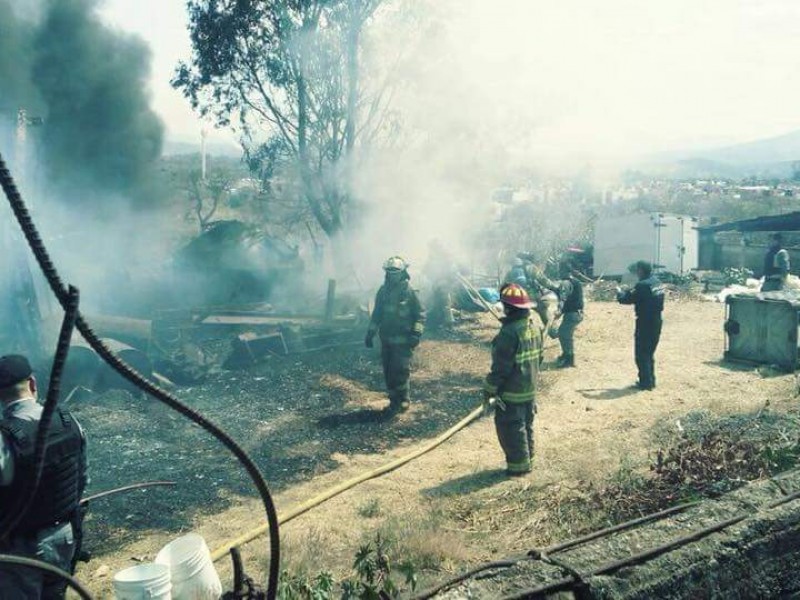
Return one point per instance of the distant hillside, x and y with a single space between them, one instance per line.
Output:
783 148
767 158
173 148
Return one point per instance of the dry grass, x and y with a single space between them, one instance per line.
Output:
425 541
454 507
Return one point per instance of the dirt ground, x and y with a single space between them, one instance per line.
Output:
314 421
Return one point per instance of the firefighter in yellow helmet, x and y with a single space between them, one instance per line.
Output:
516 356
399 320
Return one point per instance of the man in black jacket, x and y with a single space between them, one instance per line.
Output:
647 296
49 530
570 310
776 265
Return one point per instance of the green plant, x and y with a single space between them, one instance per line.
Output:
738 276
372 581
374 574
370 509
296 587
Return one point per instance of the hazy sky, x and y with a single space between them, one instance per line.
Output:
618 75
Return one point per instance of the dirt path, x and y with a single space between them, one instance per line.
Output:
588 423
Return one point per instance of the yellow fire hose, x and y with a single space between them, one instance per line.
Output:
295 512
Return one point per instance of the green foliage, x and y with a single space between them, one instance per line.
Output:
291 75
374 574
370 509
735 275
373 579
296 587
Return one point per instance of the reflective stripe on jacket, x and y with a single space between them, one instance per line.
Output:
516 353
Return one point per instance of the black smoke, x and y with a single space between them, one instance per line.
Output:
99 140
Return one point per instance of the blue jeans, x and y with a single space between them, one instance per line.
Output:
54 545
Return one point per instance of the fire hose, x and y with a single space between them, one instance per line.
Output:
300 509
63 296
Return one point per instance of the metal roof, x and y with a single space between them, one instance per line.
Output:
785 222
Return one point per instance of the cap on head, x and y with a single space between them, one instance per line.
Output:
395 263
14 368
513 294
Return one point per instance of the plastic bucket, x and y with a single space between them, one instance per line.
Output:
193 574
143 582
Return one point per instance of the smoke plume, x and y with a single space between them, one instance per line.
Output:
87 82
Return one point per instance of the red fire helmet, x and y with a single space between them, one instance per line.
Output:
515 295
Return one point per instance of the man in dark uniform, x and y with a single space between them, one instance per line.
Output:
516 354
776 265
49 531
571 304
399 319
647 296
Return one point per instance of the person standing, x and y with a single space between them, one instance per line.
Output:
399 320
518 274
50 529
776 265
440 273
647 296
516 355
571 304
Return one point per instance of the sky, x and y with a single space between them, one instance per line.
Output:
617 76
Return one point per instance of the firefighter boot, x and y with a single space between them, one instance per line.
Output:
566 361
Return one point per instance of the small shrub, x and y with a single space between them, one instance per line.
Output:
298 587
737 276
370 509
373 579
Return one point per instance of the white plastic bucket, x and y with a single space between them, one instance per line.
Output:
193 574
143 582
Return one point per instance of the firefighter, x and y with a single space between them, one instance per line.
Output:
648 300
518 274
440 273
399 319
50 529
516 355
570 310
776 265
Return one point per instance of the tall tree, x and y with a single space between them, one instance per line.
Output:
287 74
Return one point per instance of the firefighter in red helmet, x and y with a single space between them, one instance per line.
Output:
516 355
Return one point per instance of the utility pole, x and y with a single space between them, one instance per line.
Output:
203 136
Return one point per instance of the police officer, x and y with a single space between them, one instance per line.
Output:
647 296
776 265
571 304
516 354
49 531
399 319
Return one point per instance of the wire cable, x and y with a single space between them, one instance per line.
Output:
25 499
39 250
